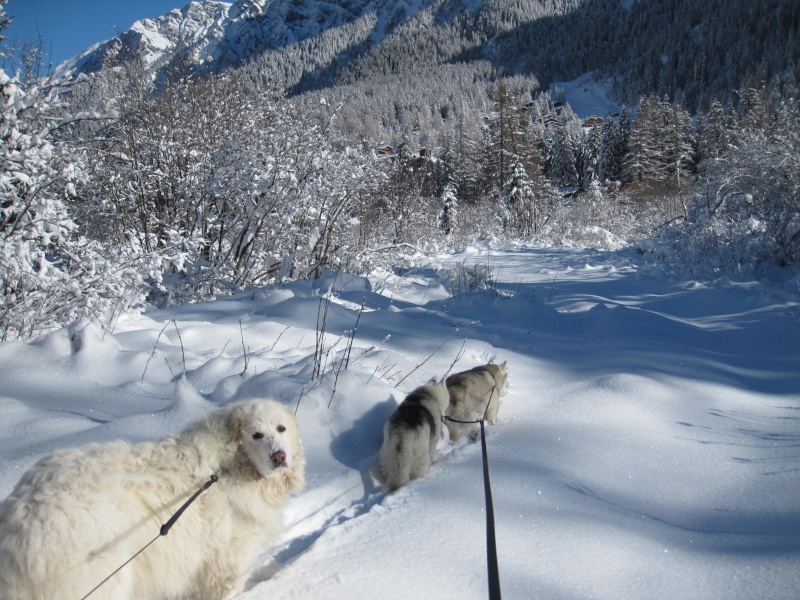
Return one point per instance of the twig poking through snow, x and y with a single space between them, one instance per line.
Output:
246 358
460 352
426 359
278 339
147 364
180 339
553 286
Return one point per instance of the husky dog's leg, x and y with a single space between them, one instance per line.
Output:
494 407
396 456
434 440
421 461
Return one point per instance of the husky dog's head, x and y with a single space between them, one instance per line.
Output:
437 388
499 374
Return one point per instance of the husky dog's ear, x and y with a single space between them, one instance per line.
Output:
491 361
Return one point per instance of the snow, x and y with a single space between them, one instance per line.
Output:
647 448
587 96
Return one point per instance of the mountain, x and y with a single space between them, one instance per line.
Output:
693 51
220 35
196 27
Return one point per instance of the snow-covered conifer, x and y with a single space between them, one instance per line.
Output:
448 213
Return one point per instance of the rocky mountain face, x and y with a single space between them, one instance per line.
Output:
197 29
218 35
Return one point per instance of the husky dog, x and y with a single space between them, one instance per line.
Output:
470 391
411 434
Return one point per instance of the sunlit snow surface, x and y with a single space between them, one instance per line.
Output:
649 445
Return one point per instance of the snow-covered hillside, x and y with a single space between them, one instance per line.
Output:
647 448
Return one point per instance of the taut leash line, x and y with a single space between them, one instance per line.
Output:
163 531
491 542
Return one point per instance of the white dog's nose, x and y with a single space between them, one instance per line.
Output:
278 457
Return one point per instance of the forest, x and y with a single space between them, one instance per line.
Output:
120 188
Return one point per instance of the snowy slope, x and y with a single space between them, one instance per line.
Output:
647 448
586 96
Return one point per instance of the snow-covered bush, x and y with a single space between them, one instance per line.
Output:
49 275
599 217
222 183
745 213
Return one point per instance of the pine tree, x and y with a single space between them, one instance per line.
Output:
612 150
680 154
562 167
645 160
592 156
715 138
519 200
625 126
500 142
752 110
467 154
448 212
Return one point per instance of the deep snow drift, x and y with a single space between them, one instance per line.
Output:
649 445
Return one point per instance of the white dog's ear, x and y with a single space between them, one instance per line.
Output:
236 423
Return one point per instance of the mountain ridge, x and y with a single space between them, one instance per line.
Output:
219 35
692 52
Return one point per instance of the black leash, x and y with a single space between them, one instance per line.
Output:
491 543
163 531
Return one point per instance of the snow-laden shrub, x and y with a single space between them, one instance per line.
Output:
223 184
745 214
49 275
599 217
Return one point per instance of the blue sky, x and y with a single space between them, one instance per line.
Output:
70 26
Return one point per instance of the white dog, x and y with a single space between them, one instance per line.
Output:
79 514
470 392
411 434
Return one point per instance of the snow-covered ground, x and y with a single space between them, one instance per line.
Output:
586 96
649 445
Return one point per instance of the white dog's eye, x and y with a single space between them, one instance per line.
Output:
281 428
258 435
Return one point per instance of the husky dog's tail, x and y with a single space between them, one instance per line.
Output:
395 458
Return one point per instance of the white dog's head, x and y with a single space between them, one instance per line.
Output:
267 436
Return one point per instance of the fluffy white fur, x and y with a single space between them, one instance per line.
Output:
79 514
411 434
